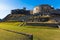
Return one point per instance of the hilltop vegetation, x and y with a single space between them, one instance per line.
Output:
39 33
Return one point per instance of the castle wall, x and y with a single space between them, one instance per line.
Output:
56 18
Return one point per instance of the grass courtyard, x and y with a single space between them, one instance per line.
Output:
39 33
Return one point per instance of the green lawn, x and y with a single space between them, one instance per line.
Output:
39 33
4 35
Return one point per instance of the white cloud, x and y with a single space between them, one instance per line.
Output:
5 7
4 10
4 13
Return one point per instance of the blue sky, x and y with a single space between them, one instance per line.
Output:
7 5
